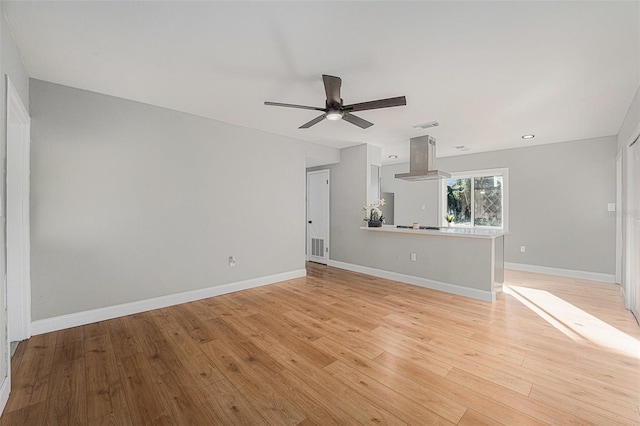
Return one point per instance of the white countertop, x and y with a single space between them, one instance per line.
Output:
452 232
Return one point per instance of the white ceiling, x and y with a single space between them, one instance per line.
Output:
489 72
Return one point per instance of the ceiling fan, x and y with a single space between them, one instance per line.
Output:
335 110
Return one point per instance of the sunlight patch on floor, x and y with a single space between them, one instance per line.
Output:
573 322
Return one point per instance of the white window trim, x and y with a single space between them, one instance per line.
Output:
504 172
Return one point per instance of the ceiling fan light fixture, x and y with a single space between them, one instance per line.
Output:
335 110
334 114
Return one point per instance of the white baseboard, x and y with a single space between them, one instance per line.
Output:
487 296
94 315
570 273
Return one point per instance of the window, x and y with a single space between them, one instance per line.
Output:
477 199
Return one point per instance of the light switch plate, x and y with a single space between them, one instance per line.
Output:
611 207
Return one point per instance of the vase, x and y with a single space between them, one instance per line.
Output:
375 223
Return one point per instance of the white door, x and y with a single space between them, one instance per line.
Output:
318 216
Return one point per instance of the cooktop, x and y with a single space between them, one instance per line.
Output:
433 228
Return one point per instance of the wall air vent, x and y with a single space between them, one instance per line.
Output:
317 247
426 125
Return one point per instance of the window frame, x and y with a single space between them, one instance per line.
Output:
504 172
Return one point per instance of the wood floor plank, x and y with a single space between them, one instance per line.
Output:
473 418
304 348
474 399
275 408
387 399
343 348
105 394
28 415
95 329
34 374
230 406
316 410
144 399
69 345
197 328
524 404
188 407
124 341
116 418
68 402
463 361
243 347
586 411
346 404
426 397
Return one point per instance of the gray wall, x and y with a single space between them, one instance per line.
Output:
410 197
11 65
558 195
348 195
131 201
438 257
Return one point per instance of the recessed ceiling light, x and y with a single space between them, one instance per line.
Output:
393 157
528 136
426 125
462 148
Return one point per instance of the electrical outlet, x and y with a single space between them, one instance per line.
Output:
414 257
232 261
522 249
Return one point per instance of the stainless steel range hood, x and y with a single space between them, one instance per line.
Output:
421 156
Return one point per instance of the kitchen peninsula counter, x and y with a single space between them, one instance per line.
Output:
464 261
444 231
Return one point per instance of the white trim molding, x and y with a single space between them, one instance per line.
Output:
17 216
570 273
94 315
487 296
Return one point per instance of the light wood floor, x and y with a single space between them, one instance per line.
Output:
339 348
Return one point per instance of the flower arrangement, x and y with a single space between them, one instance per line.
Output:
449 218
375 214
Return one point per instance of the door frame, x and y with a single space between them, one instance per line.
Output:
18 278
631 272
328 215
618 212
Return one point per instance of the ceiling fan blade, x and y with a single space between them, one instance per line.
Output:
360 122
381 103
312 122
332 89
293 106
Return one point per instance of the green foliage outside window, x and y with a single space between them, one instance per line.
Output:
483 209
